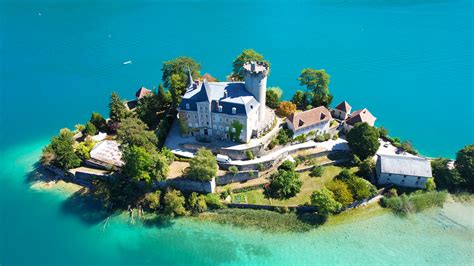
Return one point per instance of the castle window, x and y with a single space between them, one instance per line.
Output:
187 106
220 108
234 110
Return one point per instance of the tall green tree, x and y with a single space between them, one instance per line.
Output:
174 203
175 76
98 121
117 109
316 82
147 109
203 166
134 132
465 166
60 152
299 99
444 177
163 96
90 129
341 192
324 200
272 99
142 165
246 56
284 184
363 140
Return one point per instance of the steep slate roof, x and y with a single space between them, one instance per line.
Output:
344 106
228 94
142 92
310 117
405 165
361 116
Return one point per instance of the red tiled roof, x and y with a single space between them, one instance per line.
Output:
344 106
361 116
142 92
310 117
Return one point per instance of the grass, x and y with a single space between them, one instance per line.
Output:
264 220
310 184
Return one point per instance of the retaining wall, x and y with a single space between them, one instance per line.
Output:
238 177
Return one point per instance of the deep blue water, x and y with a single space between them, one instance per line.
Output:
409 62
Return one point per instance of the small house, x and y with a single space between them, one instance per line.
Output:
341 111
406 171
314 120
359 116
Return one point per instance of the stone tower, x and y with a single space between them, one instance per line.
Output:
256 83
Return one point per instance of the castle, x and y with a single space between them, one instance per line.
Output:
228 110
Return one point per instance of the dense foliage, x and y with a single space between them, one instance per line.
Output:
284 183
60 151
465 166
134 132
203 166
317 83
273 98
414 202
90 129
144 165
174 203
285 109
324 200
246 56
117 109
99 122
175 76
341 192
363 140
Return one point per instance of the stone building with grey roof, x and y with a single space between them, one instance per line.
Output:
407 171
214 108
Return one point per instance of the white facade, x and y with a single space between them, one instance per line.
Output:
406 171
402 180
318 129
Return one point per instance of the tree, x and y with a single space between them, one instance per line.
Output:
465 166
246 56
363 140
147 109
284 136
90 129
84 148
133 131
60 152
152 200
117 109
430 185
285 109
299 99
141 165
164 97
79 127
360 188
175 76
324 200
341 192
316 81
235 130
197 203
272 99
209 78
203 166
284 184
168 154
287 165
174 203
98 121
367 168
444 177
383 132
344 175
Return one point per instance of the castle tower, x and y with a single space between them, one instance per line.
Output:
256 83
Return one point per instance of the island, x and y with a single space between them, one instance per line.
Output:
234 152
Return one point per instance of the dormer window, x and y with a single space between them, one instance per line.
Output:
234 110
220 108
187 106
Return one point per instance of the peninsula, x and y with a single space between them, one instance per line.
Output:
196 146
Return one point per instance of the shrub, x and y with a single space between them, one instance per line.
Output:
203 167
317 171
197 203
391 193
430 185
285 109
282 209
324 200
355 160
233 169
260 167
284 184
301 138
168 154
415 202
284 136
335 136
227 192
360 188
272 144
174 203
249 154
341 192
367 168
83 149
213 201
286 166
152 200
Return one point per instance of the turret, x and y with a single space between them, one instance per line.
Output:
256 83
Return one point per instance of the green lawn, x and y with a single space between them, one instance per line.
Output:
310 184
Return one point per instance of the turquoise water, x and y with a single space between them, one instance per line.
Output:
409 62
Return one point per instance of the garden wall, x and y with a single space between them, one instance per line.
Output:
238 177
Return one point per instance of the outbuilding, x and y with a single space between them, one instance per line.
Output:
407 171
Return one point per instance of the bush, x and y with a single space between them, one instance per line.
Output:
90 129
203 167
83 149
249 154
272 144
282 209
227 192
213 201
197 203
317 171
284 136
284 184
152 200
174 203
360 188
286 166
322 137
355 160
341 192
260 167
367 168
415 202
335 136
324 200
430 185
233 169
285 109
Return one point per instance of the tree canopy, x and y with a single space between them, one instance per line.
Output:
98 121
60 151
149 106
272 98
240 60
284 184
340 191
174 203
90 129
142 165
465 166
134 132
324 200
316 82
203 166
444 177
175 76
285 109
117 109
363 140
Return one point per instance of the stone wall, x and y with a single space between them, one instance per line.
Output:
188 185
238 177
